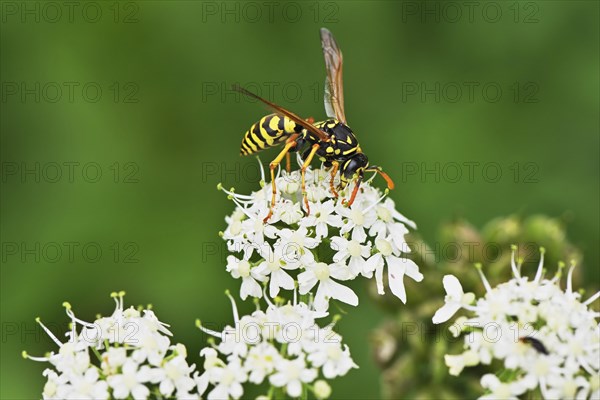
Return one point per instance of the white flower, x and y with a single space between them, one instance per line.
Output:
242 269
152 347
357 219
353 254
112 359
458 363
322 216
235 234
543 335
322 274
255 232
228 381
275 261
293 325
130 381
397 267
211 363
481 344
329 354
291 374
291 213
540 370
322 389
568 388
175 376
234 340
72 359
455 299
261 362
298 244
57 386
290 182
135 358
499 390
87 386
389 219
285 348
289 243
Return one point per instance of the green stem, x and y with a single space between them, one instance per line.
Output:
304 392
157 394
271 392
283 349
279 393
97 353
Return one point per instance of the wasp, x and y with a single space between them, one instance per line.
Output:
331 140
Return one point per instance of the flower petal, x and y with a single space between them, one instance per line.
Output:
340 272
321 301
294 388
341 292
250 287
453 287
379 279
445 312
306 280
411 269
359 234
396 269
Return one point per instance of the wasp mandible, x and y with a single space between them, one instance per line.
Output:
331 140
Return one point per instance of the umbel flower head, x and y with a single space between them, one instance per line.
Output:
545 339
282 346
318 249
125 356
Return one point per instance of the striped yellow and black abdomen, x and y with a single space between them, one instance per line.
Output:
270 131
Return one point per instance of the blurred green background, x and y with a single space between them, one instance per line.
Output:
117 124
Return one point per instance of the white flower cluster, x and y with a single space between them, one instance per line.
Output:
332 243
282 346
125 356
129 355
545 338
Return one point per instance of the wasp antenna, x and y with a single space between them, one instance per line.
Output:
379 170
238 88
390 182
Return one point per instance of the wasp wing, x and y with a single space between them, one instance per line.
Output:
280 110
334 89
327 99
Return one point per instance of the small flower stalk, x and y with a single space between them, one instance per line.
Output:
320 250
542 339
127 355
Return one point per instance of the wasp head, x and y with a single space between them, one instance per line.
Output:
353 167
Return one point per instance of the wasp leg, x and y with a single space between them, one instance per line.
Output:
288 162
354 192
309 158
334 170
291 142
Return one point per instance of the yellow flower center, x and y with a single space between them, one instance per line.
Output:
321 271
384 247
357 217
354 248
244 268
